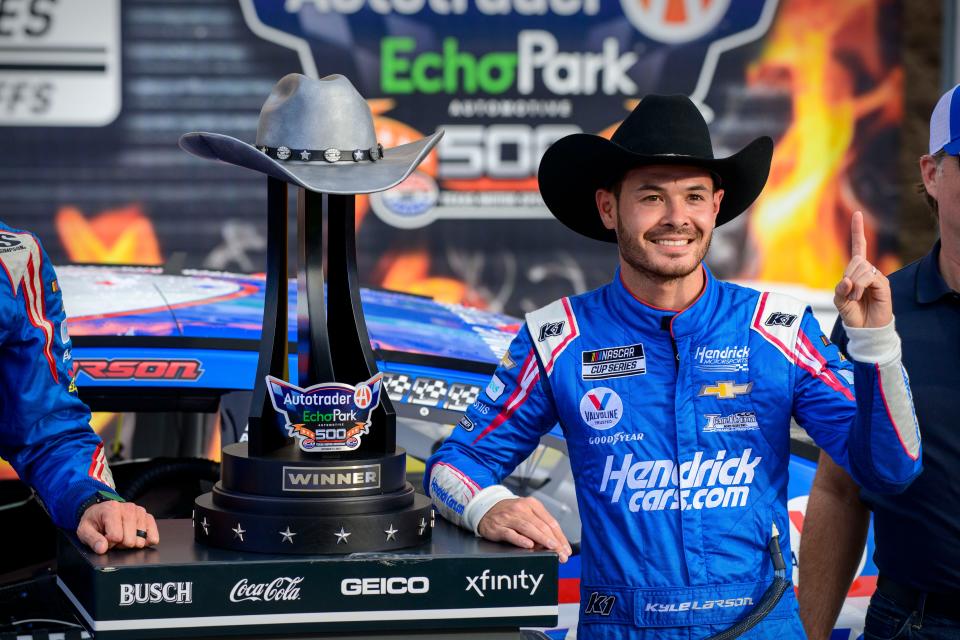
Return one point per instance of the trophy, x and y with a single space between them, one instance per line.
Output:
321 472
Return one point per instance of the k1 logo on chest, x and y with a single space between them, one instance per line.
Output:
613 362
601 408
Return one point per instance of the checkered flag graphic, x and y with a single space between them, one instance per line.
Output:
396 385
428 391
461 396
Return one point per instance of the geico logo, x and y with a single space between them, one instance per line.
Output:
101 369
333 478
283 588
538 56
455 7
156 592
734 475
696 605
384 586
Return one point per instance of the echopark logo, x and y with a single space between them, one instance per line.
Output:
599 400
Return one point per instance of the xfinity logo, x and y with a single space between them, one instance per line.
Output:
156 592
384 586
353 478
280 589
507 582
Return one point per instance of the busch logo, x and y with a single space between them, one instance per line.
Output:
156 592
600 604
280 589
780 319
384 586
551 330
655 482
512 582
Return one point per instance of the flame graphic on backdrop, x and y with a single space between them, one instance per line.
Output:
800 224
116 236
409 271
392 133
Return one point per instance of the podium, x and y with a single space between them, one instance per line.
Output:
457 586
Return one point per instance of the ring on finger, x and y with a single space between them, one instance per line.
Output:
141 534
873 272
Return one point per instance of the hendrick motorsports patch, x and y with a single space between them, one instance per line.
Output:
601 408
613 362
329 416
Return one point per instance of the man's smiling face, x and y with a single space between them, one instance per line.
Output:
664 217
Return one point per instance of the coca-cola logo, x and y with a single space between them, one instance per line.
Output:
275 591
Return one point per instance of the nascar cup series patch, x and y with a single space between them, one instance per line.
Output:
329 416
613 362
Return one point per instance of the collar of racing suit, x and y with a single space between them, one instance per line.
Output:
645 317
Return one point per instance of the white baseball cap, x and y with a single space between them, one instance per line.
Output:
945 123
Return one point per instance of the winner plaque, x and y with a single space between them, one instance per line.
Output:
321 472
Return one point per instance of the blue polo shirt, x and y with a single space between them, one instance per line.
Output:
917 533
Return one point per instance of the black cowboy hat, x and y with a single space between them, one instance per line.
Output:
660 130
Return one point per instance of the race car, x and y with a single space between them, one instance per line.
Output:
146 341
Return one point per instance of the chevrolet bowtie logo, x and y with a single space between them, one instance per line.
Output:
726 389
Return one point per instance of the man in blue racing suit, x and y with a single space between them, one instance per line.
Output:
675 393
45 428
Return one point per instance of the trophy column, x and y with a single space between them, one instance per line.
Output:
321 472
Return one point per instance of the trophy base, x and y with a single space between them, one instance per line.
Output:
319 530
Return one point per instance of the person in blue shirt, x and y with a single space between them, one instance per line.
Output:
45 431
917 533
675 393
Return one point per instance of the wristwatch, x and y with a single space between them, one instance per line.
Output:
100 496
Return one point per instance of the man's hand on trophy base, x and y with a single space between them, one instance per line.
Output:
123 525
526 523
863 294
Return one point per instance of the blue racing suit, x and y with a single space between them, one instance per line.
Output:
44 427
677 426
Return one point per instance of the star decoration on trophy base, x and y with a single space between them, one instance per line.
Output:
342 536
287 535
391 532
238 532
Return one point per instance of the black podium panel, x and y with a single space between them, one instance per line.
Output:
182 589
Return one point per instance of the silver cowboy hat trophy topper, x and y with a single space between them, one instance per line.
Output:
319 135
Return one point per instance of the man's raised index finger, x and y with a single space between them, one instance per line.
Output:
858 241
